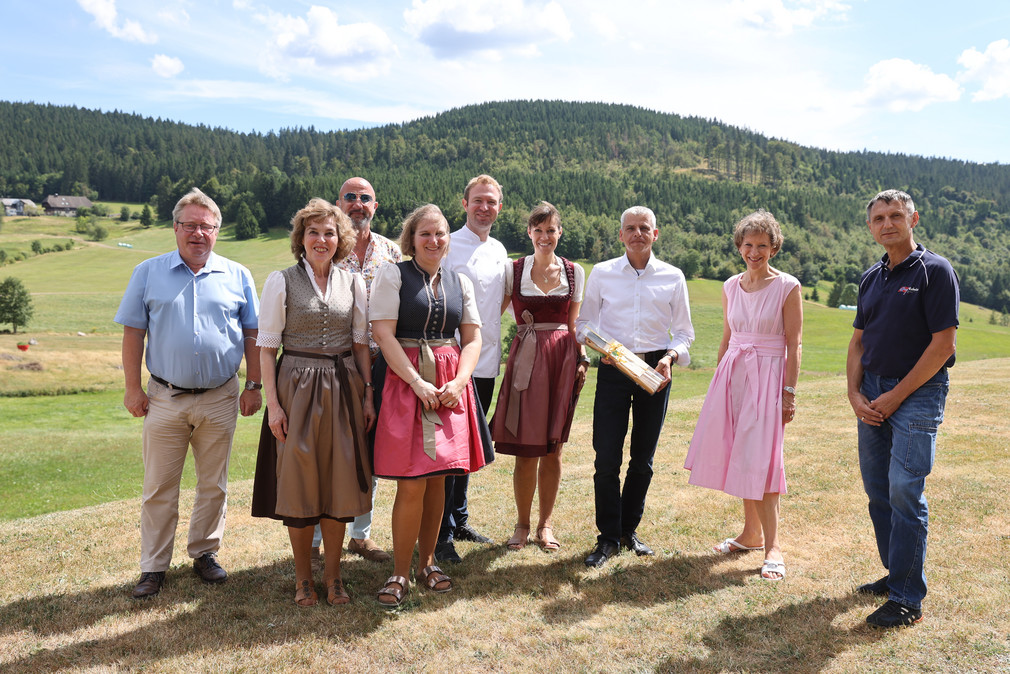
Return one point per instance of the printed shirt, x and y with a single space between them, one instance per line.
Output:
381 251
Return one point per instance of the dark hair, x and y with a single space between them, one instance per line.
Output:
542 213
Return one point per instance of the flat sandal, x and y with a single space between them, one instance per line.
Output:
336 595
305 594
395 587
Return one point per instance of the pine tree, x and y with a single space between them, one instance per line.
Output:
246 226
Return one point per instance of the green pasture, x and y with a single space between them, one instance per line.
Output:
60 451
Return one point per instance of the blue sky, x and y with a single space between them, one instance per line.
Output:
930 79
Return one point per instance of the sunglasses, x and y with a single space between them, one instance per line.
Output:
364 198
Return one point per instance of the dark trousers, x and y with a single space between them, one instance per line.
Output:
456 514
619 512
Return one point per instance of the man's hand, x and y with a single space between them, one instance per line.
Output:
136 402
663 368
865 410
249 402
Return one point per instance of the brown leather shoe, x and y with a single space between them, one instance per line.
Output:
150 584
369 550
208 569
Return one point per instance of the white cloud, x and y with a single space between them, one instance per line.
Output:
319 44
991 69
781 17
453 28
106 18
166 66
903 86
176 16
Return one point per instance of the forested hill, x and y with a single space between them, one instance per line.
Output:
591 160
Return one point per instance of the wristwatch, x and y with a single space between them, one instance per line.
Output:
789 389
251 385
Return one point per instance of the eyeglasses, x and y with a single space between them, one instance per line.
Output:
190 227
363 198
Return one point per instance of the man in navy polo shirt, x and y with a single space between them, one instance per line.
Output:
902 345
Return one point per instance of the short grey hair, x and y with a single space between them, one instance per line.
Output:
887 196
640 210
195 197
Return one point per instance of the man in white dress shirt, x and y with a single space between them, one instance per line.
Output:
476 254
642 302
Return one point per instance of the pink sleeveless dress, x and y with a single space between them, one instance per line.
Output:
737 443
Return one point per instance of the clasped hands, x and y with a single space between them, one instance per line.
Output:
433 397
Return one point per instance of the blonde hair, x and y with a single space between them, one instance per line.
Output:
411 223
195 197
482 179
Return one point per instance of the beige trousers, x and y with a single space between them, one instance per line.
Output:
206 422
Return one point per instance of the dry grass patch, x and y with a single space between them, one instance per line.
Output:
64 602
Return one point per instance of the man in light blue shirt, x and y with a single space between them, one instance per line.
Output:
198 312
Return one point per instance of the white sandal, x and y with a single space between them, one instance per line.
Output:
730 545
771 566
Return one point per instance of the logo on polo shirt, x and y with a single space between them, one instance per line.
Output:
904 290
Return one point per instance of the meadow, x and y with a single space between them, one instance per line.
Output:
69 504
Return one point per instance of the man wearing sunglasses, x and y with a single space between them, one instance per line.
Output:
198 313
357 200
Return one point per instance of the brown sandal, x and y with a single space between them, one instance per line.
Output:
395 587
547 544
305 594
518 542
336 595
432 576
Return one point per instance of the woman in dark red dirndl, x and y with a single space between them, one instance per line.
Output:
545 371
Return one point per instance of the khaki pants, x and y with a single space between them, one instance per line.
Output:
207 422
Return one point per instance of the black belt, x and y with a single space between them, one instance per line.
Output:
180 390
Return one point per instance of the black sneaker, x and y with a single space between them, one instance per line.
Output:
893 614
468 533
877 588
446 552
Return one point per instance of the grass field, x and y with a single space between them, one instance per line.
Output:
69 504
64 602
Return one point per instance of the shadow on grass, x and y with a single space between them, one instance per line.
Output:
104 627
801 637
572 593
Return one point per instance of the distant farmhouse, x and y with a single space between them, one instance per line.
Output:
59 205
17 206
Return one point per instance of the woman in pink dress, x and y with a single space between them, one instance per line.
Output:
429 420
545 372
737 444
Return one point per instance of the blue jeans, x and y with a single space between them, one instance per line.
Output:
894 459
619 511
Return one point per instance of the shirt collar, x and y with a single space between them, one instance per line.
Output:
649 266
912 258
215 263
